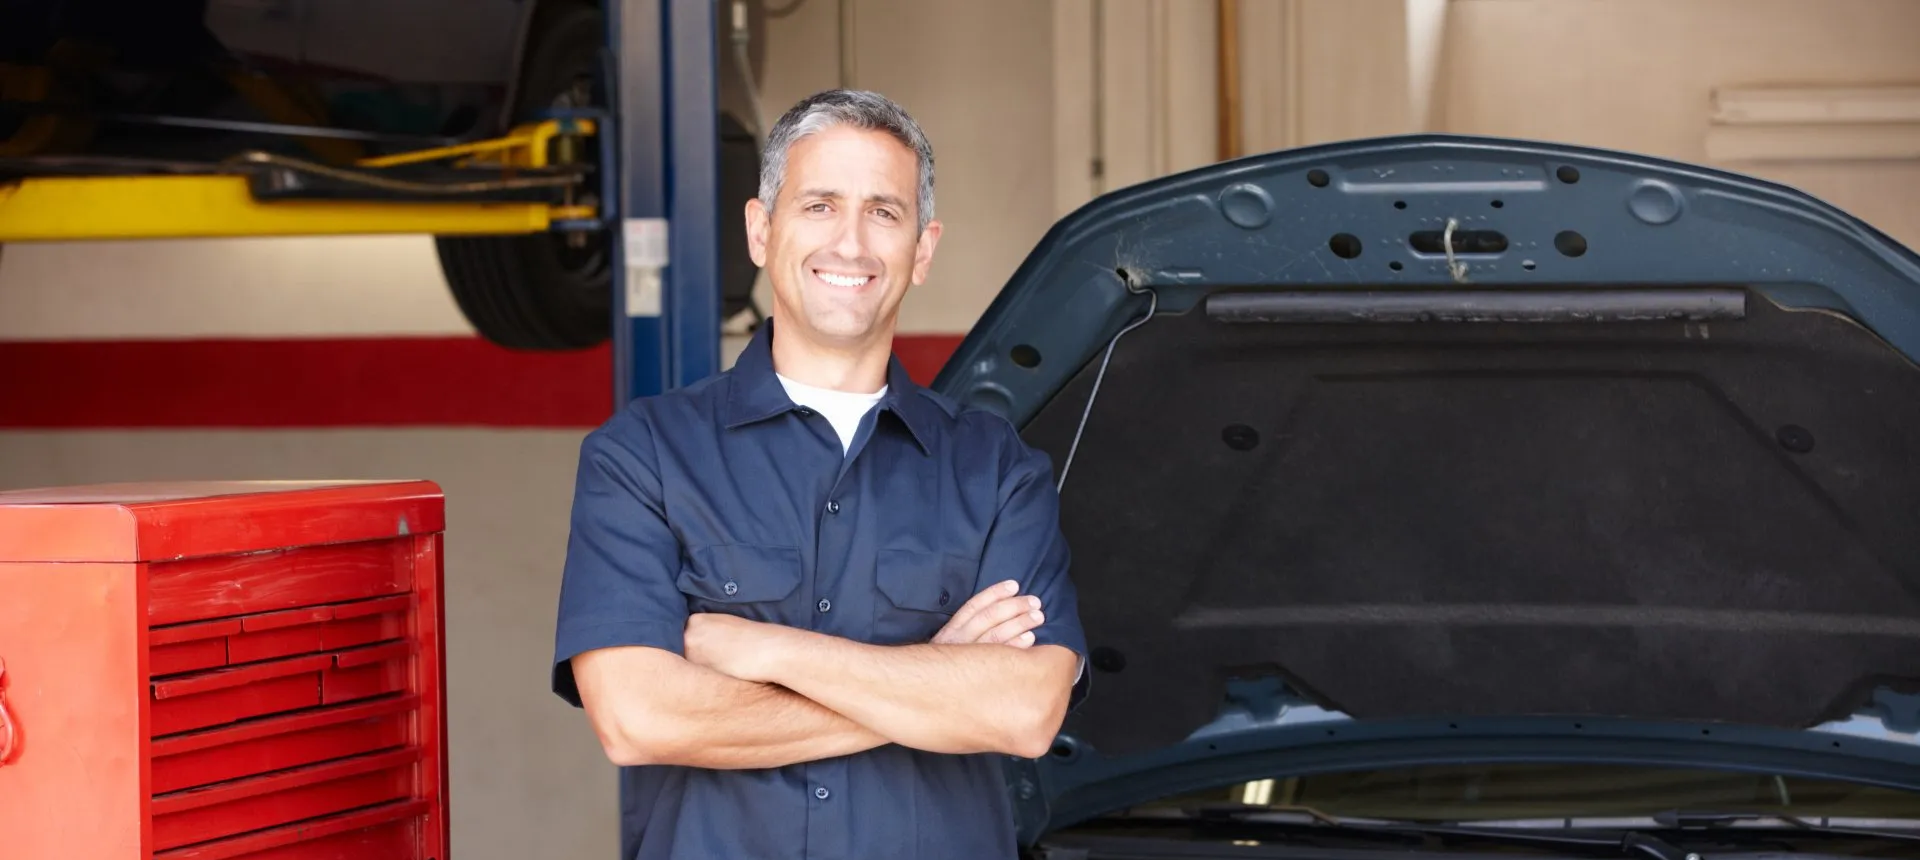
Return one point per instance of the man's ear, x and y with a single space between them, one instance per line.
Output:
758 220
923 252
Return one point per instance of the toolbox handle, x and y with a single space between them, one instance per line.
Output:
6 719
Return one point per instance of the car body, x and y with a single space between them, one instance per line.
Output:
1399 470
424 68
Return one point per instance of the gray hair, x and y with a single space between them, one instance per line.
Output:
857 108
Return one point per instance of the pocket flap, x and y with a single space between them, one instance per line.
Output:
741 573
927 581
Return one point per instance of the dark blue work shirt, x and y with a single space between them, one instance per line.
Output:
724 496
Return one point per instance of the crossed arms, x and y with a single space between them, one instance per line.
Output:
754 695
661 686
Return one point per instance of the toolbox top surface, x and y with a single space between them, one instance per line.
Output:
162 521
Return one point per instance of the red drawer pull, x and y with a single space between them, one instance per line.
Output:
177 633
288 618
6 719
221 679
375 654
378 606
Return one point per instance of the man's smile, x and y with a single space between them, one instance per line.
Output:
843 280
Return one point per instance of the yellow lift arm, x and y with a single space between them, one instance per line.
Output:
56 208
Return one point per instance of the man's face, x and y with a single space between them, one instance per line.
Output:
843 242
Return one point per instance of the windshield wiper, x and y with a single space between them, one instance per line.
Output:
1624 843
1720 823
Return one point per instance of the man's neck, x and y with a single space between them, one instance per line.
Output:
861 369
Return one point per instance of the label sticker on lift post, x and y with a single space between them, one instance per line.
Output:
646 254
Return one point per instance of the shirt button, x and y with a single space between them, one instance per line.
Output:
804 411
826 605
833 507
730 588
944 597
821 792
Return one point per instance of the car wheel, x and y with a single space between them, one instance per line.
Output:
554 291
544 291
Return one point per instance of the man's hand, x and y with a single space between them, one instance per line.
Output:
732 645
998 615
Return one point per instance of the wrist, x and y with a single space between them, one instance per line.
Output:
776 651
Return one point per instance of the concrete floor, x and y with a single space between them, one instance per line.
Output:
528 779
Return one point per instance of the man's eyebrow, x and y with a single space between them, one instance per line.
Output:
830 194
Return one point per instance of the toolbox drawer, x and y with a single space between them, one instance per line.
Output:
391 832
226 695
272 684
283 797
263 746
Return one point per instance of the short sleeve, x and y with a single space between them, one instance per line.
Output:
1026 545
618 583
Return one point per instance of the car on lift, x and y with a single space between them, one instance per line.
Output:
133 86
1448 497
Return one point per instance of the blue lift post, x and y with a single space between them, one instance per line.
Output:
666 166
666 272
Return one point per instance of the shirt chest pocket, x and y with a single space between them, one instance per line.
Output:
919 592
746 580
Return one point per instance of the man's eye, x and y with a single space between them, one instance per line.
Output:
887 214
816 207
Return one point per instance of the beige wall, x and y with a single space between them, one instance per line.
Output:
1635 75
1639 75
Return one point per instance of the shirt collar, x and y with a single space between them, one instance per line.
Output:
756 393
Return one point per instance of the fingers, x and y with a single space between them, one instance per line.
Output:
998 615
1016 631
987 597
1001 622
989 624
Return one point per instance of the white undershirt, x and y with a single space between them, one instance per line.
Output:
843 409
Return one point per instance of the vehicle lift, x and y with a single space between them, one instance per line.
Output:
659 185
659 166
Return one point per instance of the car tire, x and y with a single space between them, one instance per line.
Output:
539 292
545 291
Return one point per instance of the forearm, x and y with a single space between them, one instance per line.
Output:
674 712
722 722
939 698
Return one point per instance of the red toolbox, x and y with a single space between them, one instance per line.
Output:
215 670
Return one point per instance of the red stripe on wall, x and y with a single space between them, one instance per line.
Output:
352 382
924 354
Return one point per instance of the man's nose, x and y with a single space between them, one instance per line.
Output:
851 243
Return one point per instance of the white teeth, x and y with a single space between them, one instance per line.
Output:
842 280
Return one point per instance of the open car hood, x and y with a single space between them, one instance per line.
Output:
1635 464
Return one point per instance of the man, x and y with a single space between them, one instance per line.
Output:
808 603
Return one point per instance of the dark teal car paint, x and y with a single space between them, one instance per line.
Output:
1362 216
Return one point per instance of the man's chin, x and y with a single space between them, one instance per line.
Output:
843 329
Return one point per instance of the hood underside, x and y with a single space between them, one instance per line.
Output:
1705 521
1669 471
